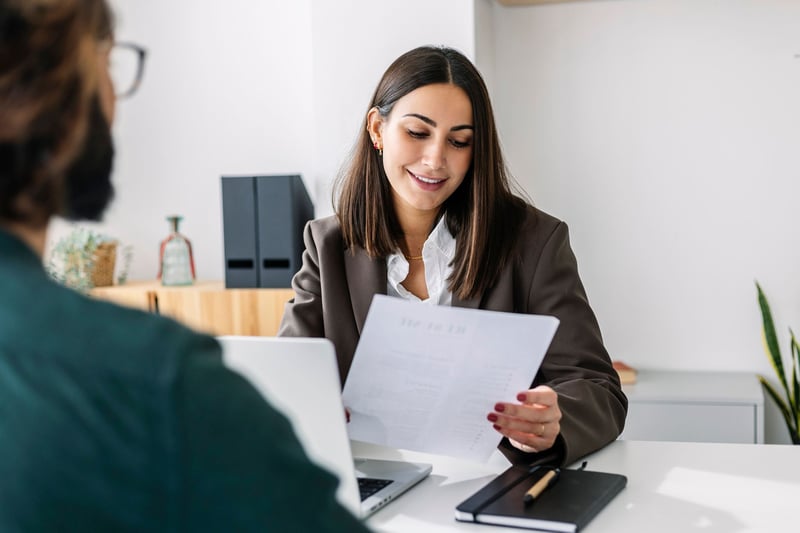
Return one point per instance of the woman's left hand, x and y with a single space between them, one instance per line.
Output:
534 423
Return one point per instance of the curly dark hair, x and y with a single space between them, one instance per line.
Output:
48 88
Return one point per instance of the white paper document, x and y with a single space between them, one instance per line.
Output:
424 377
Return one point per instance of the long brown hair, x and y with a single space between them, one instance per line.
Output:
483 213
48 80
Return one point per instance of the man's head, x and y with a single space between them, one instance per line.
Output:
56 104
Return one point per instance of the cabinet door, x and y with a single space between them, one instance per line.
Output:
255 312
139 295
694 422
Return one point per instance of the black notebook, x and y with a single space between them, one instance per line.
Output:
568 505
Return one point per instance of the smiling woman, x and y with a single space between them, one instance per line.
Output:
426 145
427 151
435 100
426 212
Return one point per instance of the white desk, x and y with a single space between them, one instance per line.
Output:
673 487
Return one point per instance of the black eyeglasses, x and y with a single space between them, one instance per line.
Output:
127 68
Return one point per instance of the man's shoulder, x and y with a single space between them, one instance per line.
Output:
162 345
128 343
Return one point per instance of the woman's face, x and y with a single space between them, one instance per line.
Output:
427 145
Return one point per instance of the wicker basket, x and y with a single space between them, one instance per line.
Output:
105 257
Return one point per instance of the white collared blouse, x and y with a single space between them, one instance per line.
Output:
437 253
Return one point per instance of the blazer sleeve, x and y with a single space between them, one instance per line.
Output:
302 315
577 365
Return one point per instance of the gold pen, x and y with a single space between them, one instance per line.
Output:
547 480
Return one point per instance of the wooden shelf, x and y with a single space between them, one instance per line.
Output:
206 306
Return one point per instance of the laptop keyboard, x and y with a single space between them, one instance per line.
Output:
369 486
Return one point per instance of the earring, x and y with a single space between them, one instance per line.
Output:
378 148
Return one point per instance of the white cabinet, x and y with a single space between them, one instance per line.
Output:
695 407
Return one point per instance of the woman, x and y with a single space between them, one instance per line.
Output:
426 212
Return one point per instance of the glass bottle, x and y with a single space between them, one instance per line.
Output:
176 264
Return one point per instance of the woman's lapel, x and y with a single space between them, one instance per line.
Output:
365 278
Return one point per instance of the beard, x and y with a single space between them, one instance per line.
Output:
88 190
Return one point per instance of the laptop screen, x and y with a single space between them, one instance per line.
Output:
285 370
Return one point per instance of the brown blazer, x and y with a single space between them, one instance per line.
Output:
334 288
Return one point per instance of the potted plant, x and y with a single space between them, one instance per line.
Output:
84 259
789 402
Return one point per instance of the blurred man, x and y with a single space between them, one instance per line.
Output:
113 419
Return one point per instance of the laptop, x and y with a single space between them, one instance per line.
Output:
300 377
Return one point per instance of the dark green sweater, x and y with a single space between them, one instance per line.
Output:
112 419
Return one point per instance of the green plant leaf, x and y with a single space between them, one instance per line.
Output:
784 409
771 339
794 349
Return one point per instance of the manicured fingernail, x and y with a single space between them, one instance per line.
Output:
499 407
521 397
498 428
492 417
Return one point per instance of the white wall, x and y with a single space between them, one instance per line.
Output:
485 40
667 134
249 86
354 42
227 90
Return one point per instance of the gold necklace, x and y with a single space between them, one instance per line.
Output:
412 257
